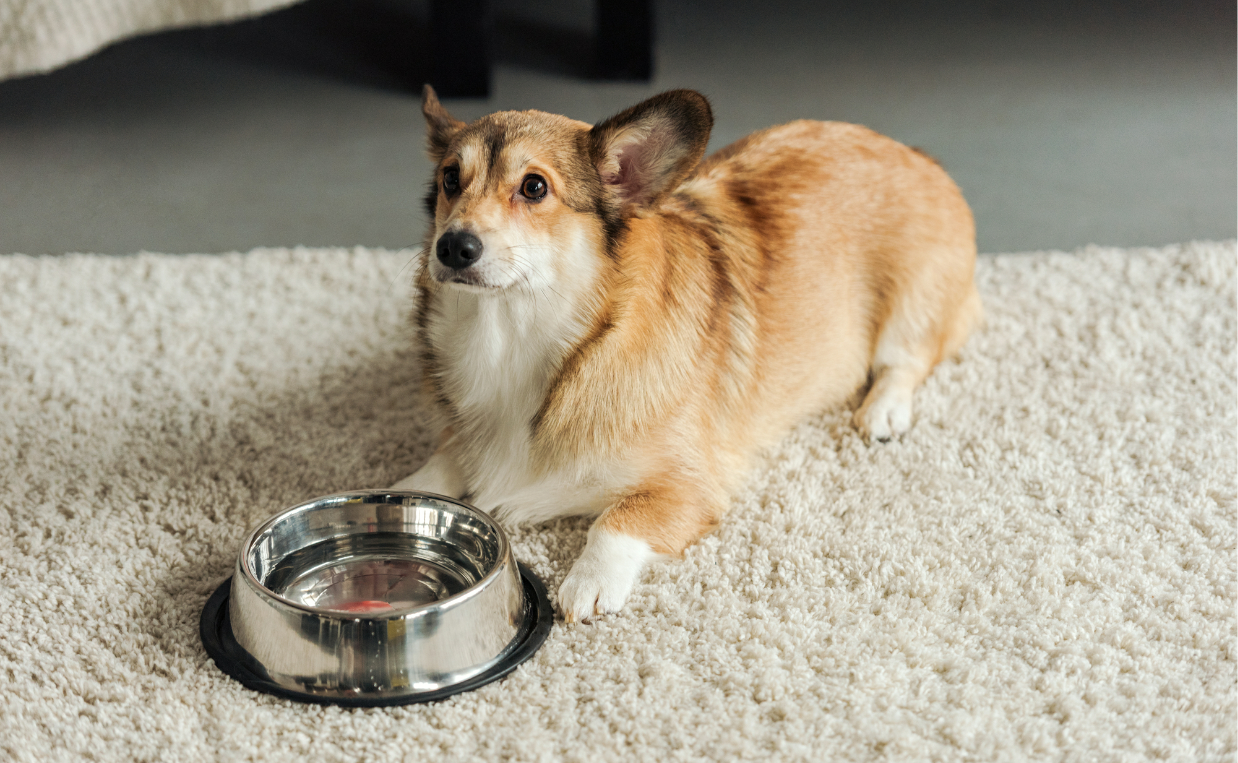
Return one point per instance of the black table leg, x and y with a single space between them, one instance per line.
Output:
624 39
462 49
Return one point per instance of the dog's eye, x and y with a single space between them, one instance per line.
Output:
451 180
533 187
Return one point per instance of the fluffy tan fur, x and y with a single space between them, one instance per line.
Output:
723 300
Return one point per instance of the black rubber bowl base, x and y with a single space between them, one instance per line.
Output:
215 629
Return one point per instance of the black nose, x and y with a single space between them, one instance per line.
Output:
458 250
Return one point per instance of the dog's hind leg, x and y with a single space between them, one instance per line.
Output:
912 341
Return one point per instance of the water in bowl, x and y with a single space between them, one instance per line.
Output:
371 573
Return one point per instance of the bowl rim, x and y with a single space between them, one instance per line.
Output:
451 602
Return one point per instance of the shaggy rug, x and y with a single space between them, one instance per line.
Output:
1042 569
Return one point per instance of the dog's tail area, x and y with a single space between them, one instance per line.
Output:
967 318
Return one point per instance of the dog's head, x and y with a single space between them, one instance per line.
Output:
533 199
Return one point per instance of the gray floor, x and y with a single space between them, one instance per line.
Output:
1111 124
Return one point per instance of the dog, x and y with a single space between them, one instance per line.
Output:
611 326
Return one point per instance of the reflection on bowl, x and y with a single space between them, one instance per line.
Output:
377 594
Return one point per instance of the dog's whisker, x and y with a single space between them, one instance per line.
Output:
404 267
524 283
545 286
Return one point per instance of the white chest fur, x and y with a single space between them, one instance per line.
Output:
498 353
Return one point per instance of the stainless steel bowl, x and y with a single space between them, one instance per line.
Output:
376 596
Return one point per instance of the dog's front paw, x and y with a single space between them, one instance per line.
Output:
602 578
591 592
439 475
884 415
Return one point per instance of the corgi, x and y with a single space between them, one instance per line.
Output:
611 326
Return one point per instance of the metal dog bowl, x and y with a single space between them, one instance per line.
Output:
375 597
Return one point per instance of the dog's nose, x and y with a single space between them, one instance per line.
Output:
458 250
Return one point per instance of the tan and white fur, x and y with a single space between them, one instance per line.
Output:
610 326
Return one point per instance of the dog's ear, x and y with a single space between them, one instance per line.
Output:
440 125
646 151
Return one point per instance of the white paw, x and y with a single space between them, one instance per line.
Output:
602 578
439 475
886 416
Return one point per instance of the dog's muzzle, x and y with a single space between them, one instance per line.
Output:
458 250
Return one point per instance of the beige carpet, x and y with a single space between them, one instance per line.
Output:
1043 569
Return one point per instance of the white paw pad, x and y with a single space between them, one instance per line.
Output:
603 577
439 475
887 416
